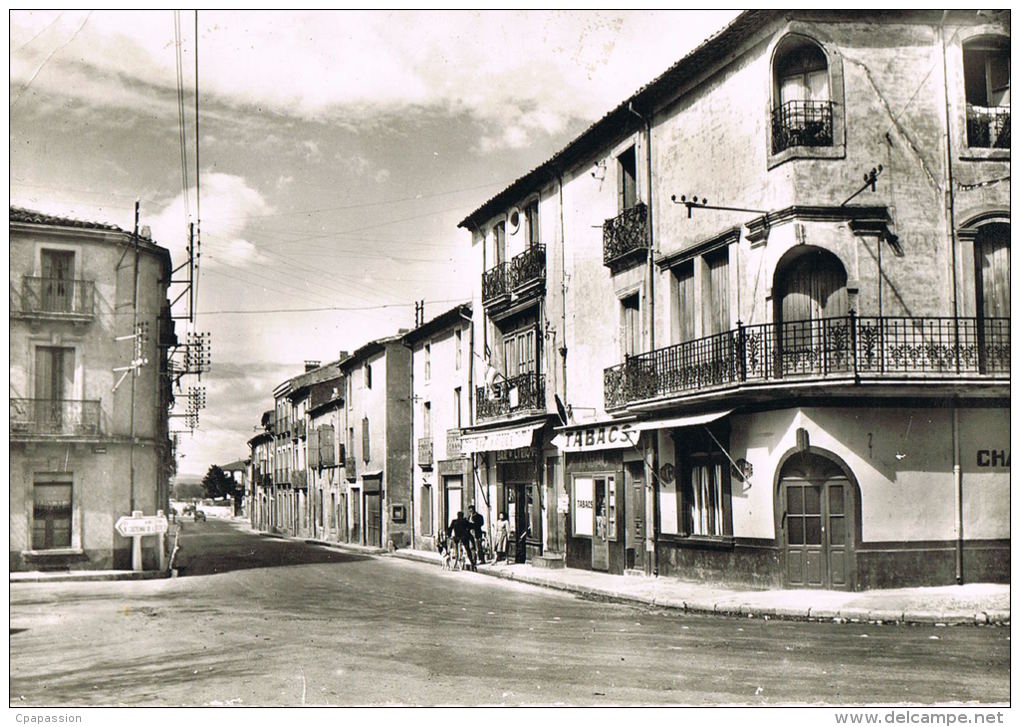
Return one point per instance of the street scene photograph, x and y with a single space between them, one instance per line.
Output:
503 358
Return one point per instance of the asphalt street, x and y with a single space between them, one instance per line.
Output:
255 620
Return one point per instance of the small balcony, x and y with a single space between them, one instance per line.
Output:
522 393
299 478
625 237
350 468
453 447
801 123
298 430
523 272
988 127
425 453
263 479
851 348
54 418
58 298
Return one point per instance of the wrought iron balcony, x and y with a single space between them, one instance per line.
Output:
298 429
495 282
299 478
519 393
988 127
58 297
453 446
857 347
520 272
528 267
425 453
263 479
350 468
625 234
54 417
801 123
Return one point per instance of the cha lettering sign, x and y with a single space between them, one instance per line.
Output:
602 436
993 458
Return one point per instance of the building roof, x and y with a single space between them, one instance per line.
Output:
439 323
625 115
20 214
238 464
370 349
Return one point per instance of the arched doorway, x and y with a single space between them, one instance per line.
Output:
991 273
816 526
811 307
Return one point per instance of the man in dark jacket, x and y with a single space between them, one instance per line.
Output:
460 529
477 522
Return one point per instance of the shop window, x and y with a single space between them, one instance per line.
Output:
986 86
51 512
594 506
534 512
802 112
626 165
703 511
582 507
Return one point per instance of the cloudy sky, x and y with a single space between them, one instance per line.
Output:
338 151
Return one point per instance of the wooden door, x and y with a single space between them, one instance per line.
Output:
811 290
54 384
817 524
57 280
600 536
373 519
355 536
991 270
634 483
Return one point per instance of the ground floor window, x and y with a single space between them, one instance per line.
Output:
582 507
704 511
694 496
51 512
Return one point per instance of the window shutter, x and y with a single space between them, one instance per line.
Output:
326 448
313 448
366 450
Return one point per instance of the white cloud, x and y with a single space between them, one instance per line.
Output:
499 66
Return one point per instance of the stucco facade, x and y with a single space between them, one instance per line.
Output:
72 295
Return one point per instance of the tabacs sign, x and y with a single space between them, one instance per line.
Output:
602 436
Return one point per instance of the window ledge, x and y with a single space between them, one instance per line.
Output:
977 154
806 152
717 542
53 552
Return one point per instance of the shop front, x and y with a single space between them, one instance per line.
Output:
607 506
511 459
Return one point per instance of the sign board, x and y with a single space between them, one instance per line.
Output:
583 515
141 525
596 437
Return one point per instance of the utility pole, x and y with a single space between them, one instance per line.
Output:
134 330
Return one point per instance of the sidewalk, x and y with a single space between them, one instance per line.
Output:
978 603
86 575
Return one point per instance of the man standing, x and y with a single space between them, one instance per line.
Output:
460 529
477 523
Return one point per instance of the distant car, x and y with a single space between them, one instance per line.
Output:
192 512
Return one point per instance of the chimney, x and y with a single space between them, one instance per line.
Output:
312 365
344 354
145 232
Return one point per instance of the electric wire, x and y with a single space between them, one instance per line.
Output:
32 39
47 59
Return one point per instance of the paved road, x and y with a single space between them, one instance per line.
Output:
263 621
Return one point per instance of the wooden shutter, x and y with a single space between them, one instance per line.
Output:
366 450
327 448
991 265
685 301
313 448
716 293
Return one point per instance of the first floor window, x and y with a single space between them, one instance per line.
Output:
51 513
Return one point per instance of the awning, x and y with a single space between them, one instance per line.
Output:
595 436
675 422
497 439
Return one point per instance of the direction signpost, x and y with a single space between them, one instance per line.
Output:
136 526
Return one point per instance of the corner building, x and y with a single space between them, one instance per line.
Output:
778 307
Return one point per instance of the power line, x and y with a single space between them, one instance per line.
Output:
32 39
47 60
331 308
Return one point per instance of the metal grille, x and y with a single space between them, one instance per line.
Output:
495 282
54 417
519 393
801 123
625 233
527 267
988 128
58 295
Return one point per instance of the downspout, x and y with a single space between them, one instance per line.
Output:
950 201
563 291
654 526
413 451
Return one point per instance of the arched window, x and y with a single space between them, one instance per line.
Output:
802 111
986 87
811 307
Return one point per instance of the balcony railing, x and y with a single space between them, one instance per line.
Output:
263 479
350 468
298 429
625 233
495 282
299 478
506 396
522 270
848 346
425 453
453 447
55 417
58 296
801 123
988 127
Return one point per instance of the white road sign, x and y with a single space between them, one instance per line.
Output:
144 525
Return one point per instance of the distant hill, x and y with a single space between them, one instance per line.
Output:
184 487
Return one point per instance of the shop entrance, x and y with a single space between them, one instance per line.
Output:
524 513
634 481
817 523
453 499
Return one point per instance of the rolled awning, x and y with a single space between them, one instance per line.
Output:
494 440
675 422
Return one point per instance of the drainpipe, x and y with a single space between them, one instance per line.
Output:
563 290
410 508
958 481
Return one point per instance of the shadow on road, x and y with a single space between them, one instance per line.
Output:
218 547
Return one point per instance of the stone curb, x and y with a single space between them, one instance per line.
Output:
86 577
